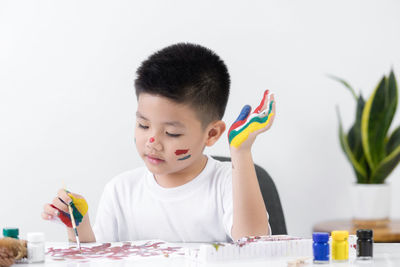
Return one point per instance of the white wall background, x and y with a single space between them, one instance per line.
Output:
67 101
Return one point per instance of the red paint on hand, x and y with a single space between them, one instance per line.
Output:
181 151
64 217
258 109
152 139
238 123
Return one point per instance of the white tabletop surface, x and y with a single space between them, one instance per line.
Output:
385 254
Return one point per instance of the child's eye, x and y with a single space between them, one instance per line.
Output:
172 135
142 126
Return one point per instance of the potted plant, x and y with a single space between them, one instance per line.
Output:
372 150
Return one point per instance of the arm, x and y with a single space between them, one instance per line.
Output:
249 211
85 231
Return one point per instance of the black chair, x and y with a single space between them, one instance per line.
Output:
271 199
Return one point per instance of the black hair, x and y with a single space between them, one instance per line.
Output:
188 74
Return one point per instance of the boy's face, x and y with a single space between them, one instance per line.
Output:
169 136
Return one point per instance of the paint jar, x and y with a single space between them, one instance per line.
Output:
321 247
352 247
11 232
340 246
35 247
365 244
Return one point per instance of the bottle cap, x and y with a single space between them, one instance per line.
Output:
340 235
364 233
11 232
320 237
35 237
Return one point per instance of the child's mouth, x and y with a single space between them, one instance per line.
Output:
154 160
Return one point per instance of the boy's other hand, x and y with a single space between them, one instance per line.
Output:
244 130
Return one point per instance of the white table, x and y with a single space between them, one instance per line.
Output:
385 254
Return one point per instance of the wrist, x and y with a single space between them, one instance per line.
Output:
239 151
239 157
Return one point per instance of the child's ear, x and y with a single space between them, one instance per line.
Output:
214 132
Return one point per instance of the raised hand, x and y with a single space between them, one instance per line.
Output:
244 130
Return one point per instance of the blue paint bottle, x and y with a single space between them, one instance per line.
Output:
321 247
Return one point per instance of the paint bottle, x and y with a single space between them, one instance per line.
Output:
340 246
321 247
35 247
11 232
365 244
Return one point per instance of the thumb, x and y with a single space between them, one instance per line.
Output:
241 119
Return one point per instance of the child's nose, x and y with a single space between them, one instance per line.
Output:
154 143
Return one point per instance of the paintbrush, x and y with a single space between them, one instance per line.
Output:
71 214
74 226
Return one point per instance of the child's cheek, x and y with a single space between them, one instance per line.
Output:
139 142
182 154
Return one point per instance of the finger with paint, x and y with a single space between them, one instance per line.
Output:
245 124
79 209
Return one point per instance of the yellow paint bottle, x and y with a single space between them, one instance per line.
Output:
340 246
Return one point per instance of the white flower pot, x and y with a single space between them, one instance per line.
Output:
371 201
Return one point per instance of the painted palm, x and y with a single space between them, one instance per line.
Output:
246 124
371 149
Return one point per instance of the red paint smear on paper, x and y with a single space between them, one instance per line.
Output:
181 151
106 251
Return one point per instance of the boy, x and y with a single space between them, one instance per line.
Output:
182 195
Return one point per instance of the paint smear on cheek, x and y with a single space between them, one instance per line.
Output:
181 151
185 157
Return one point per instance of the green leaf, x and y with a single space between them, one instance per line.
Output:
354 135
394 141
346 84
386 167
355 141
392 145
358 168
376 119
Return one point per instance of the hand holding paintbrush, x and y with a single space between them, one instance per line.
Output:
59 211
71 215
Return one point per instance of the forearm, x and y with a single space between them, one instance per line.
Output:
85 231
249 211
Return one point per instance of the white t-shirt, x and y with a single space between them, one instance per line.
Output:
134 207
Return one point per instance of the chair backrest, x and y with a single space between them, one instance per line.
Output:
271 199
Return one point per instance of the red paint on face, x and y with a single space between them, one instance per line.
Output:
181 151
152 139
